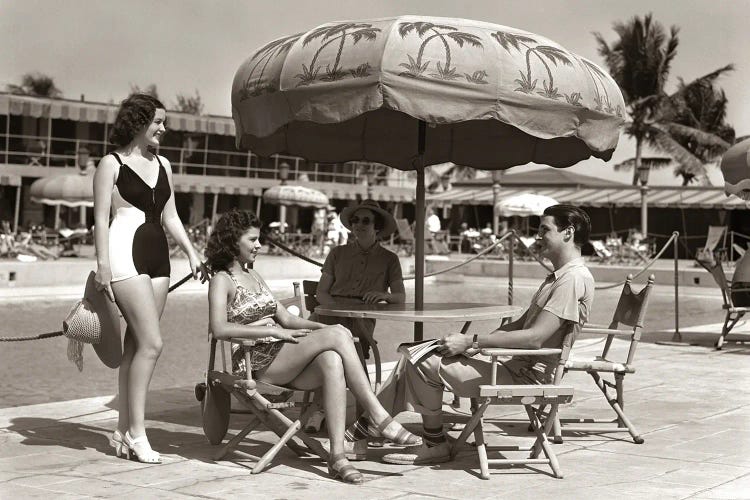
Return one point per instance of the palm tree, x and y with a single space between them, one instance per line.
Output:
35 84
149 89
640 61
703 107
189 104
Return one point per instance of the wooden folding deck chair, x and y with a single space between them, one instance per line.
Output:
263 401
310 288
630 311
732 313
551 395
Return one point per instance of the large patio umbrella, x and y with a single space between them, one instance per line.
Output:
286 195
735 167
69 190
524 205
414 91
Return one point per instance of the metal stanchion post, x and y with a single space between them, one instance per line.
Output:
676 336
512 241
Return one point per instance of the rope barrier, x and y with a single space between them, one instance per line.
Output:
474 257
58 333
293 252
648 265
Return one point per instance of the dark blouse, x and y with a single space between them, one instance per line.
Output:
356 272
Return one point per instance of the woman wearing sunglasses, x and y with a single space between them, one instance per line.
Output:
359 272
362 271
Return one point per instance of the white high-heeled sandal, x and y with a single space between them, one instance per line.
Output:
141 448
116 441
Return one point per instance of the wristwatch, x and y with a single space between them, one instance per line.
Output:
475 341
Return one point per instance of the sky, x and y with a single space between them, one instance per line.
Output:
99 48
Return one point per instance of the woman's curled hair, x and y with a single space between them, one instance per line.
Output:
223 244
135 113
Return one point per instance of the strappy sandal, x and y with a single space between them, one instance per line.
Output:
397 435
116 441
340 468
141 448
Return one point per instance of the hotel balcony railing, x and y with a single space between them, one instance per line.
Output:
54 152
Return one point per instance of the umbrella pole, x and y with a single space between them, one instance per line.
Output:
419 230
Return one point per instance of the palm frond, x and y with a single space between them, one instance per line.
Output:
651 162
665 143
704 138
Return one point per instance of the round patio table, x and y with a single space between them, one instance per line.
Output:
431 312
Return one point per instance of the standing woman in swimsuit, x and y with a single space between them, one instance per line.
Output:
134 186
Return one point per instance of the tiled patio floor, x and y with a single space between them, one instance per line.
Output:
691 404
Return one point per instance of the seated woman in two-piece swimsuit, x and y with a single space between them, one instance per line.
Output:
289 350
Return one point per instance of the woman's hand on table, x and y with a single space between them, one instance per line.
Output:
375 297
454 344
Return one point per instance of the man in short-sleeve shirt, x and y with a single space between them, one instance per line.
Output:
562 302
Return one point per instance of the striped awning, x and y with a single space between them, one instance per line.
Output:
39 107
215 185
626 196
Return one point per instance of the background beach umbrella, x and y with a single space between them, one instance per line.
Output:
524 205
69 190
414 91
735 167
286 195
298 196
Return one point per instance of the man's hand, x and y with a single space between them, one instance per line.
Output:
454 344
375 297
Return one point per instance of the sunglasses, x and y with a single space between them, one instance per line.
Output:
364 220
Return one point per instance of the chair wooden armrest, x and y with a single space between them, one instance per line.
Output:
606 331
528 394
506 351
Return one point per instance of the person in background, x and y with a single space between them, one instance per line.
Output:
134 185
433 226
288 350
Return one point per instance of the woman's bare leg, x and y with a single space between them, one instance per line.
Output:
293 358
327 370
161 288
137 301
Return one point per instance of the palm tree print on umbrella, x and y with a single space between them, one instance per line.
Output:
415 68
258 86
542 52
602 101
330 34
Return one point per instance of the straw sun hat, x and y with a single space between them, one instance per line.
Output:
94 320
389 223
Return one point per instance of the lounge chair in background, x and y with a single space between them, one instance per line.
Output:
732 313
716 234
405 237
602 252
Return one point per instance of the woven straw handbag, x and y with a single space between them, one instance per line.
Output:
81 326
